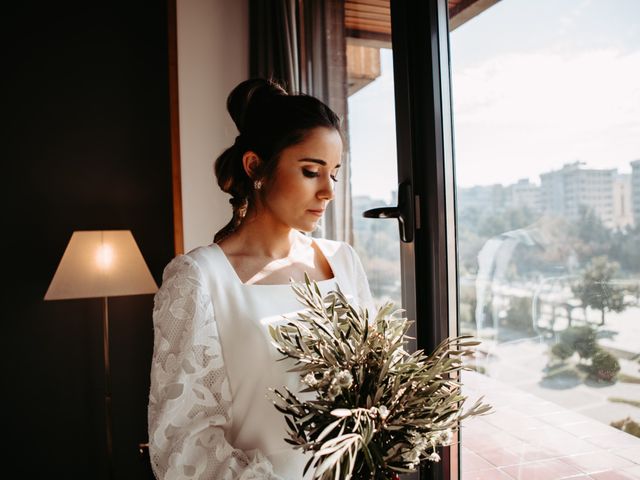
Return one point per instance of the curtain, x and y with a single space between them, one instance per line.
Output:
301 43
274 42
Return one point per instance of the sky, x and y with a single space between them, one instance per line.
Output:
535 84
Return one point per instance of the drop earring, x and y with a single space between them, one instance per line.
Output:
257 184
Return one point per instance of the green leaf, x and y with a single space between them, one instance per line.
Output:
331 333
341 412
328 429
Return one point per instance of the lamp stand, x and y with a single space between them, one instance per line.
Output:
107 384
99 264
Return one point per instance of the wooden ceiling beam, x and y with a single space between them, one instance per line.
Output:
375 15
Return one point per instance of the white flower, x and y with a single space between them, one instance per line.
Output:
344 379
412 456
420 443
398 394
310 379
333 392
434 457
446 437
384 412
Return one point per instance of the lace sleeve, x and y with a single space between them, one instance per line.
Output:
362 284
190 402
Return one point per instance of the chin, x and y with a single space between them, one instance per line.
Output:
307 227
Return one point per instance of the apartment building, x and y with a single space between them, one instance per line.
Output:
622 201
635 191
563 191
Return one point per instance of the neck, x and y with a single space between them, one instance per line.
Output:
264 237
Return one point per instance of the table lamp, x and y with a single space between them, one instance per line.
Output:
103 263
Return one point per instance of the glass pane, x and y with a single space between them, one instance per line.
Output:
546 100
374 176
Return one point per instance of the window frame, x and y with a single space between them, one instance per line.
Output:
424 132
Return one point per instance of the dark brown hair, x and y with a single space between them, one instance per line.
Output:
269 120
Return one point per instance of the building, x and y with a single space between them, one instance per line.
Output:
500 197
524 194
489 197
622 201
563 191
635 190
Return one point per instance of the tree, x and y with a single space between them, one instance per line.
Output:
624 249
494 223
591 237
581 339
604 366
595 290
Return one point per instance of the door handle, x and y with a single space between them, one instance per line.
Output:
403 212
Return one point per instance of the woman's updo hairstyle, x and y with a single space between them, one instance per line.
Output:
269 120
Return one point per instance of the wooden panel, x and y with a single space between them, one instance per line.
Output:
368 28
465 10
456 6
358 16
176 177
364 62
357 7
368 15
373 16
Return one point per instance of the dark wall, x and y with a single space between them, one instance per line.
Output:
86 106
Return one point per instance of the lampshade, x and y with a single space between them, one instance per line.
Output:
103 263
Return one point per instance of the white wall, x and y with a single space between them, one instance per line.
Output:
213 57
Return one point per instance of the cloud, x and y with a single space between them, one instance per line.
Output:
518 115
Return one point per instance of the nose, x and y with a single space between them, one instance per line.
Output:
326 192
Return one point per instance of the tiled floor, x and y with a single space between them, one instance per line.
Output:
529 438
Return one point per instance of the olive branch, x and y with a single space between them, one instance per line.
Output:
378 409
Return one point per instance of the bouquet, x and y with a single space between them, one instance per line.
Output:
378 410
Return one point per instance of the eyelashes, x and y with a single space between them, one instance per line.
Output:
311 174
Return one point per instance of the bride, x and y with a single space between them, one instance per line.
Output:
210 415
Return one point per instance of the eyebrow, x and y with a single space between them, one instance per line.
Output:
318 161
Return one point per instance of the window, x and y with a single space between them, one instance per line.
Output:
549 92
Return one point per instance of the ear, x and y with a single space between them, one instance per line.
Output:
251 163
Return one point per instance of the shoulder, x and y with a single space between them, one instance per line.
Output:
188 265
340 252
334 247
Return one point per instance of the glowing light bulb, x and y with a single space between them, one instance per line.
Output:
104 256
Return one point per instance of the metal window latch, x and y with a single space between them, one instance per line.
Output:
404 212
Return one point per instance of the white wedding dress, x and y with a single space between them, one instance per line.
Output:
210 416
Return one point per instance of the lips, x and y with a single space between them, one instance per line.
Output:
316 212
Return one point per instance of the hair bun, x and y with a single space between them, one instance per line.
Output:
248 96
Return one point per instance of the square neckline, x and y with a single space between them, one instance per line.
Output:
239 281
